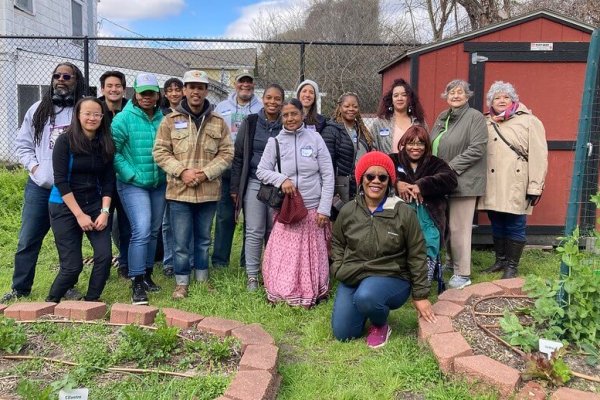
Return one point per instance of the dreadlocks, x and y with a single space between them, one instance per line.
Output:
46 108
361 128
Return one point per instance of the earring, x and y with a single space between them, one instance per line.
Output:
409 110
390 108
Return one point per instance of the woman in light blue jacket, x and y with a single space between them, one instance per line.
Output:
295 266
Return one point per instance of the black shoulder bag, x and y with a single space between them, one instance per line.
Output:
269 194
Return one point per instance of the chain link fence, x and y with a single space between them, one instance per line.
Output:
26 65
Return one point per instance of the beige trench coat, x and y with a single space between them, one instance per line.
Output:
509 177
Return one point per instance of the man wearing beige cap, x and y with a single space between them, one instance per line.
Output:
193 146
234 110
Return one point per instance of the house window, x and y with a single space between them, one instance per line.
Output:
77 18
25 5
28 94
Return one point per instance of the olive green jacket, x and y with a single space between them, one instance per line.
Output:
387 243
463 147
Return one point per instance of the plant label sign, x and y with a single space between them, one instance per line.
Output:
549 346
74 394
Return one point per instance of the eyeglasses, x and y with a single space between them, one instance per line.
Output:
382 178
66 77
91 115
418 145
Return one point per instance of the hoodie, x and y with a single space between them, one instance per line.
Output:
233 113
40 154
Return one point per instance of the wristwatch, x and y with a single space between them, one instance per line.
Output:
105 210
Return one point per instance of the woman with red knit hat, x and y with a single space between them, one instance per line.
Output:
379 256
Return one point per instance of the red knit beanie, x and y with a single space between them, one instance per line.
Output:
375 158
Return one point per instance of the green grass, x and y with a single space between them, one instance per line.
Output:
313 365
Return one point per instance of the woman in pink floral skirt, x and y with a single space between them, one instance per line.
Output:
295 265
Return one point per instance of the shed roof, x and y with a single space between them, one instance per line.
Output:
489 29
176 61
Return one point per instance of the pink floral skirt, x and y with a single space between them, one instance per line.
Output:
295 264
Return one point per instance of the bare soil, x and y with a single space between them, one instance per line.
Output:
38 345
485 344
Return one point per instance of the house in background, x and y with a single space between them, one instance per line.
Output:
544 55
221 65
26 63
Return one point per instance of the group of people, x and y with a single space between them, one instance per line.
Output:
371 206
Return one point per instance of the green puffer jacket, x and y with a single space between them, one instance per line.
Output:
387 243
134 134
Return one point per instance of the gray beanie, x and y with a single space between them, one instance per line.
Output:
311 83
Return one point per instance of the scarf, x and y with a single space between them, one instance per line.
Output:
504 115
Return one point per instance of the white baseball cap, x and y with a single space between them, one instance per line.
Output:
195 76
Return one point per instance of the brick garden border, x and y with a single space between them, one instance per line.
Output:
455 356
257 377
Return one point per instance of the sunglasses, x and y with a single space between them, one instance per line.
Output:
66 77
382 178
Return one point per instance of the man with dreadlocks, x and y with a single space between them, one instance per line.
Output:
44 122
347 139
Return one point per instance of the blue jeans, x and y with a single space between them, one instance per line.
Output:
191 219
168 244
145 208
510 226
259 222
372 299
35 224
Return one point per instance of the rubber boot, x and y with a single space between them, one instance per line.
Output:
499 249
513 251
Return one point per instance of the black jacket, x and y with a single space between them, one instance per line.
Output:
342 150
435 180
245 149
110 115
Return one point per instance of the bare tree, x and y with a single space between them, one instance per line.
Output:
336 68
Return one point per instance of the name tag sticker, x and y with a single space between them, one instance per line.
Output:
306 151
181 124
384 132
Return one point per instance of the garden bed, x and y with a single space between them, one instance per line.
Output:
487 313
114 360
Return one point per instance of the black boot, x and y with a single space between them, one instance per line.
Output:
139 295
514 249
149 284
499 249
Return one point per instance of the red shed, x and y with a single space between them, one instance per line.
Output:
544 56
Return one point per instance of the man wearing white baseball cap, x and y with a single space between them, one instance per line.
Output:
193 146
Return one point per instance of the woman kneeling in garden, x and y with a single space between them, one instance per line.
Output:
379 256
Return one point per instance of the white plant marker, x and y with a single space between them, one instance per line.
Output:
549 346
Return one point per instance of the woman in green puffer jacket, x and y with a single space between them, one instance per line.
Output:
140 182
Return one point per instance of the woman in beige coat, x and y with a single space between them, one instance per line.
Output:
517 162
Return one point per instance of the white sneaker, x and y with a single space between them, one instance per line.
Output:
459 282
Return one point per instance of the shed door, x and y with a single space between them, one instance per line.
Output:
550 83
